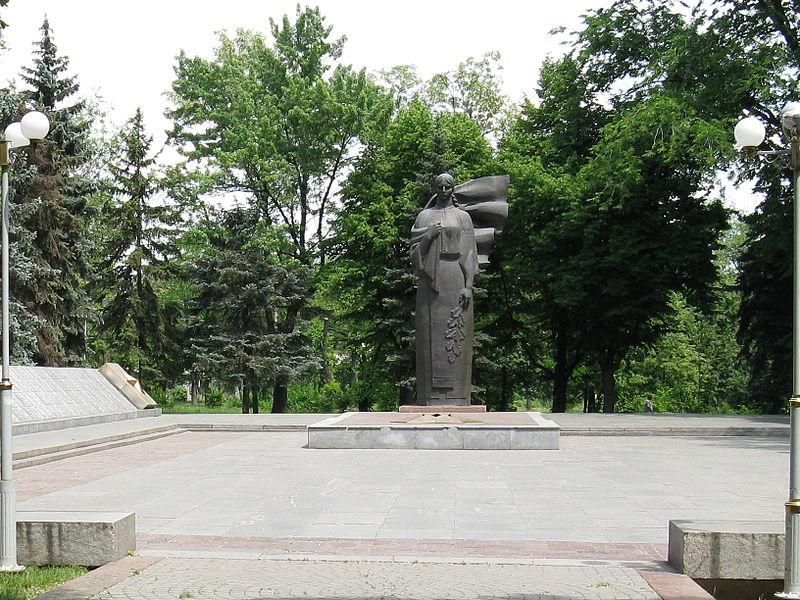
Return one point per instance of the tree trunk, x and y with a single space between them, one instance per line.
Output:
245 399
194 388
560 372
505 391
255 396
327 374
608 378
588 397
406 395
353 368
280 395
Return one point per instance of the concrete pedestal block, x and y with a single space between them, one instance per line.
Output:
437 431
90 539
727 549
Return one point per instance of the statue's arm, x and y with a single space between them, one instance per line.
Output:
469 256
422 234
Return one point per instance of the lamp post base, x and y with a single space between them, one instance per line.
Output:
791 583
8 527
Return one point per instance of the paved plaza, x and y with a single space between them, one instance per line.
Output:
256 514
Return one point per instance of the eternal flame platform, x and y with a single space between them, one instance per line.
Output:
452 430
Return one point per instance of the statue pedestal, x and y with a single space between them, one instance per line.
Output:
436 431
417 408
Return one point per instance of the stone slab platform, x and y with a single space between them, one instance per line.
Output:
739 550
83 538
436 431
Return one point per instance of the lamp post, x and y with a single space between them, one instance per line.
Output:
33 126
750 134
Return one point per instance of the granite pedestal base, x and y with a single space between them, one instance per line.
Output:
436 431
416 408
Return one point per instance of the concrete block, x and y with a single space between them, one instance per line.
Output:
127 385
534 439
74 538
391 437
486 438
727 549
444 438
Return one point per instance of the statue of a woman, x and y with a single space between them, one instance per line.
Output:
450 238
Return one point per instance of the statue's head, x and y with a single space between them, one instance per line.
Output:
443 185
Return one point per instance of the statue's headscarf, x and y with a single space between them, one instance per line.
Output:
486 201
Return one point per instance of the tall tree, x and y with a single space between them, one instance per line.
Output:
245 289
59 190
389 185
618 169
720 59
474 87
542 291
280 124
135 238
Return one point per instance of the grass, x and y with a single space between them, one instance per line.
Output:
34 580
186 408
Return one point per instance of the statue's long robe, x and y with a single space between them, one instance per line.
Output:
444 326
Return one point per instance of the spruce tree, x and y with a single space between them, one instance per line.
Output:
135 232
29 274
246 287
56 206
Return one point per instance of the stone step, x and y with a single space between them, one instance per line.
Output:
41 456
243 427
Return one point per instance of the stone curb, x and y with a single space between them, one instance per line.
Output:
233 554
769 432
100 579
674 586
57 424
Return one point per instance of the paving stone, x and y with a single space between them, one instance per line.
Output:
209 579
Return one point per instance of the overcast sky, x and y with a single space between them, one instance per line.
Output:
125 51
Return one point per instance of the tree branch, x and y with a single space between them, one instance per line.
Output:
776 13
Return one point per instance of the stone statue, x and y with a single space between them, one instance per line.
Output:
450 238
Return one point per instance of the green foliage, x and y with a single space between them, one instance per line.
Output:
170 397
278 122
694 367
472 88
305 397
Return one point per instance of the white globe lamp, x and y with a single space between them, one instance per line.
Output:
35 125
749 132
13 134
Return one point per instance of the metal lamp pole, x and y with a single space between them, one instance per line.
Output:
791 581
750 134
8 492
33 126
